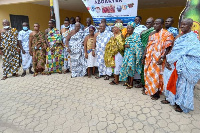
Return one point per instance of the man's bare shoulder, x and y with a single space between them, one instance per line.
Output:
33 33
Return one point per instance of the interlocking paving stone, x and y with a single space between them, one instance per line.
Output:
61 104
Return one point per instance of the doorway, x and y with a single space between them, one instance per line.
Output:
17 20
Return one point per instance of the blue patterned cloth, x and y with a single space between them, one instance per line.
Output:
140 28
65 53
101 41
82 27
72 27
173 30
77 57
186 54
132 57
108 28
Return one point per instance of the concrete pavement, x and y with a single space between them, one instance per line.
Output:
61 104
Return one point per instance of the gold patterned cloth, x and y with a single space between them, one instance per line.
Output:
90 43
115 45
9 48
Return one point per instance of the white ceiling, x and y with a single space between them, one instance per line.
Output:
72 5
77 5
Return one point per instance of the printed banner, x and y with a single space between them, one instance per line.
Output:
192 11
126 10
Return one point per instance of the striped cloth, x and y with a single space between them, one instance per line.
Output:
156 46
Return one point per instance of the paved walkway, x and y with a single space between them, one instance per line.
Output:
60 104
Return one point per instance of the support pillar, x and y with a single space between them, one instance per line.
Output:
57 13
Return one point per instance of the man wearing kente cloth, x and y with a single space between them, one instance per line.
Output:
65 31
182 70
144 38
9 49
75 47
100 40
138 29
132 62
159 44
54 49
114 52
37 46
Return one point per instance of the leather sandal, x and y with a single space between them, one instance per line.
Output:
129 86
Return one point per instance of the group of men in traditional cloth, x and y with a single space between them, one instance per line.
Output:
35 48
160 57
167 63
32 45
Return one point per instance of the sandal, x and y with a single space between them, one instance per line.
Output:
48 73
155 97
125 84
143 92
106 77
139 86
23 74
16 75
165 102
4 78
35 74
137 81
129 86
67 71
31 72
113 83
178 109
43 73
98 77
